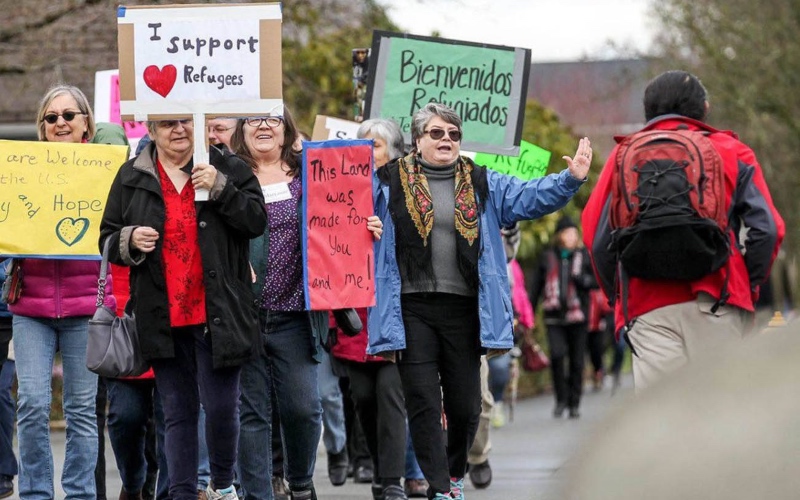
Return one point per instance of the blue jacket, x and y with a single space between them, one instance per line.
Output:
510 200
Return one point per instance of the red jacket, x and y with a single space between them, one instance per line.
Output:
352 348
753 207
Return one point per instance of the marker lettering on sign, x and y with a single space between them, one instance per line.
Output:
5 209
29 206
155 27
59 205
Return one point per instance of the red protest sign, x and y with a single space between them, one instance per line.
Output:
338 256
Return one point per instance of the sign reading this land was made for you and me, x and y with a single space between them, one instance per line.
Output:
339 259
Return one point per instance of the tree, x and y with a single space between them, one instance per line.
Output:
317 60
543 128
747 55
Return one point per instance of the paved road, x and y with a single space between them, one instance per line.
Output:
528 454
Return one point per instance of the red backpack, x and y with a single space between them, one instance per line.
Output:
667 212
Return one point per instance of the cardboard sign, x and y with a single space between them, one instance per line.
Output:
485 84
531 163
52 197
220 60
327 128
339 259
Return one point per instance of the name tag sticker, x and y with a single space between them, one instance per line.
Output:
276 192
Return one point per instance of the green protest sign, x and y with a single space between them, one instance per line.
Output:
531 163
485 84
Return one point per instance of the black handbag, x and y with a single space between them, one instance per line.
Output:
112 349
348 321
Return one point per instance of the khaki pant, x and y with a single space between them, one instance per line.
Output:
479 452
669 337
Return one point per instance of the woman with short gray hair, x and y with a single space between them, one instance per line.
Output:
441 281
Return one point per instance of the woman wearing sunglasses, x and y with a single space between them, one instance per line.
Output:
190 290
292 337
58 298
442 286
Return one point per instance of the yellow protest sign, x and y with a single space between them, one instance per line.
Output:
52 197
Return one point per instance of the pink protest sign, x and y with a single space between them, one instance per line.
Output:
133 130
338 257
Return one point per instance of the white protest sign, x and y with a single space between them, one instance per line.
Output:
329 128
219 60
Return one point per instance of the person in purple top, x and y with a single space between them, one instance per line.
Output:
292 337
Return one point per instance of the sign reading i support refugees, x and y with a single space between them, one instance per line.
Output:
176 61
485 84
52 197
339 260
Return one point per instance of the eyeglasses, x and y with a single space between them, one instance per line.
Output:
271 121
174 123
438 133
68 116
219 129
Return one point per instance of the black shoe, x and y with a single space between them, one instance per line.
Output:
6 486
574 413
306 494
394 492
279 489
363 474
480 475
337 467
377 492
558 412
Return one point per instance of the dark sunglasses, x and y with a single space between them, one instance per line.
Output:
271 121
438 133
68 116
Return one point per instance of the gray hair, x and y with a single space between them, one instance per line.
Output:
426 113
80 100
387 130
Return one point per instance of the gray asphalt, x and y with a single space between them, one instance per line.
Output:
528 455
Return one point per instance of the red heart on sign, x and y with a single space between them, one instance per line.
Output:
161 80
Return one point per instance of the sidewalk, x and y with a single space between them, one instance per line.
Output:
527 458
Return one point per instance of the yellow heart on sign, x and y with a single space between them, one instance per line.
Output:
70 230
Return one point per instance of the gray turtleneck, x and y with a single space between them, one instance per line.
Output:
442 184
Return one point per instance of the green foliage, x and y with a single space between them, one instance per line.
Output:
543 128
317 59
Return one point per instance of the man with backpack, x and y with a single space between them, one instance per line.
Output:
681 230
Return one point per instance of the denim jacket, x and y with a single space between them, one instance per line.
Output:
510 200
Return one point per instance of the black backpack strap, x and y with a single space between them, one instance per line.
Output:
622 276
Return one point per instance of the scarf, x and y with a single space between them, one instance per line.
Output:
554 287
411 208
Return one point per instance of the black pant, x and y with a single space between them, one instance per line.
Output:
567 341
441 365
101 402
378 395
357 449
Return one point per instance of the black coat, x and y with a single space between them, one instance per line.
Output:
233 215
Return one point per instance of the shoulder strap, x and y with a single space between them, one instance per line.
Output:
101 279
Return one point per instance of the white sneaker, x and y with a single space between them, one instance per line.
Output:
228 493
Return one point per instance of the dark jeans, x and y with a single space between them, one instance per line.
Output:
101 405
567 341
131 405
378 395
8 415
288 366
441 366
596 344
183 383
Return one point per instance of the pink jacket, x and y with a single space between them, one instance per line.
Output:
519 296
60 288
